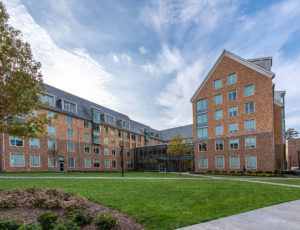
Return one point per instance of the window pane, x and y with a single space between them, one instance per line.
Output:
201 105
218 114
17 160
69 120
231 79
249 90
218 84
218 99
234 162
232 95
220 162
34 142
202 119
219 130
87 163
251 162
51 130
202 133
35 160
233 111
203 163
233 127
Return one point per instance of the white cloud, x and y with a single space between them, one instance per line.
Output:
143 50
115 58
126 58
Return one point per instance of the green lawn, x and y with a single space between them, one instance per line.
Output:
283 181
169 204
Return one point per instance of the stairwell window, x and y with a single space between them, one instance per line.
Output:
201 106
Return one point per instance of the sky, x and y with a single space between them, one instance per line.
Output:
147 58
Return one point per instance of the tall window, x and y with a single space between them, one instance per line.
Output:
96 150
51 145
87 163
220 162
203 162
51 161
249 107
218 99
70 147
71 162
86 124
219 114
250 142
17 160
112 131
232 95
96 163
202 133
69 120
47 99
234 144
113 164
70 133
106 140
201 105
219 130
250 125
51 130
218 84
96 115
234 162
86 136
35 160
248 90
15 141
202 119
87 149
251 162
233 127
106 152
233 111
34 143
69 106
113 152
202 146
106 163
219 145
231 79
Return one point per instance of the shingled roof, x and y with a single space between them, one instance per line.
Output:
186 131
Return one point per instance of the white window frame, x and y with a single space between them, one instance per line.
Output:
216 145
228 78
235 131
34 166
236 95
55 162
85 134
216 97
85 160
217 162
48 145
250 129
218 80
254 143
71 151
253 107
17 166
107 167
206 162
199 148
15 141
113 118
38 143
94 163
255 161
128 125
237 111
216 130
238 162
233 140
218 110
54 130
68 162
253 90
96 148
63 105
54 101
89 149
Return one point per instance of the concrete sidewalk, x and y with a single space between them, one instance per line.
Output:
277 217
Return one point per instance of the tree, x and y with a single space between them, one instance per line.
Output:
178 148
21 84
291 133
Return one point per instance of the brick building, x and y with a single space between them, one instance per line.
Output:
238 117
293 153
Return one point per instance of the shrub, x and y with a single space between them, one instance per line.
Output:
38 202
80 218
105 221
69 225
8 203
53 192
52 204
48 220
9 225
30 226
32 189
72 207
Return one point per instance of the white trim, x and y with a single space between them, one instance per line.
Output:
68 161
199 162
246 142
255 161
239 166
223 162
49 162
202 143
85 163
34 166
34 147
17 166
231 139
216 145
16 145
62 105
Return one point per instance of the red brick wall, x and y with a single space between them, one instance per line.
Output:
292 146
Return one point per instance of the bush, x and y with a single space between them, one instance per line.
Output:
38 202
52 204
32 189
8 203
30 226
9 225
48 220
69 225
80 218
105 221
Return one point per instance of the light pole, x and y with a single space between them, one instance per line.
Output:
122 159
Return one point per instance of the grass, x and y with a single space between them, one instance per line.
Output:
169 204
287 181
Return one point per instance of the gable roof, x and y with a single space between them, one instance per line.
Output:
249 63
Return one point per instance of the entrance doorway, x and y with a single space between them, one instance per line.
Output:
61 164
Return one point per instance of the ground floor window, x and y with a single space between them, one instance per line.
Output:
129 164
106 163
87 163
96 163
220 162
71 162
251 162
51 161
35 160
113 164
203 162
17 160
234 162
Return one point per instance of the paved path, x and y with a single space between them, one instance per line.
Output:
284 216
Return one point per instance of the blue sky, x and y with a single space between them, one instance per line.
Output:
147 58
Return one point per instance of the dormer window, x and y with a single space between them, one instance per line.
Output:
109 119
125 124
69 106
47 99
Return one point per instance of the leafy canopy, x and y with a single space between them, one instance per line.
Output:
291 133
177 146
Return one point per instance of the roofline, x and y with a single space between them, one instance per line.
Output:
237 58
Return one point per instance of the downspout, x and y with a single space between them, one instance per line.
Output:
3 146
79 149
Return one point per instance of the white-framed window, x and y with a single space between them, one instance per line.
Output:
218 114
96 150
15 141
47 99
202 119
249 107
105 129
219 145
50 115
202 146
106 140
87 149
234 143
250 142
51 145
87 163
113 152
218 84
201 105
17 160
34 160
218 99
70 120
34 143
203 162
96 163
113 164
250 125
86 136
107 164
251 162
86 124
71 162
233 111
234 162
106 152
219 129
51 130
201 133
113 141
232 95
109 119
129 164
69 106
125 124
232 79
233 127
70 147
112 131
70 133
249 90
220 162
51 161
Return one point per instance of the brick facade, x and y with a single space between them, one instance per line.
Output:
292 148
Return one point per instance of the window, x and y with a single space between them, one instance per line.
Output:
219 145
51 161
34 143
112 131
234 144
232 95
70 147
69 120
69 106
233 127
113 164
71 162
105 129
218 83
250 142
248 90
234 162
87 149
70 133
106 163
250 125
96 115
113 152
35 160
109 119
113 141
249 107
15 141
106 152
202 119
96 150
201 105
125 124
251 162
129 164
47 99
17 160
87 163
120 134
218 99
219 114
127 135
202 146
34 113
128 153
231 79
96 128
86 136
202 133
106 140
203 162
51 130
51 115
51 145
220 162
86 124
219 130
133 138
233 111
96 163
